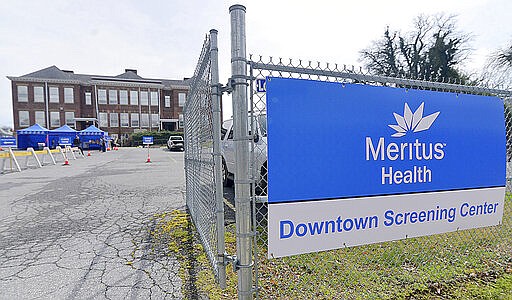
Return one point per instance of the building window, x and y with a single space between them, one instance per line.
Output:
114 120
123 97
180 121
88 98
54 119
155 120
134 98
144 120
22 93
103 119
112 96
181 99
68 95
70 118
102 96
124 120
143 98
154 98
167 101
54 94
135 119
40 118
38 94
24 118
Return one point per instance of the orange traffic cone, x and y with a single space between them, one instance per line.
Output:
149 159
66 162
88 152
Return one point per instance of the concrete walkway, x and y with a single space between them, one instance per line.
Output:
83 231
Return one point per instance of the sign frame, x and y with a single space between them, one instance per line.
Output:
386 139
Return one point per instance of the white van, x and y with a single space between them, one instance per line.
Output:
260 152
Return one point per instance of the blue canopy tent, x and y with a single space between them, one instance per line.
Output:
63 131
34 136
91 137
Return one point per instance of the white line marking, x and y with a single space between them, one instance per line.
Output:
229 204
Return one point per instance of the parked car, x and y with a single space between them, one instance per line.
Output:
175 142
260 152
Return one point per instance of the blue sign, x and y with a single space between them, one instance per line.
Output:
7 142
147 140
261 85
329 140
353 164
65 141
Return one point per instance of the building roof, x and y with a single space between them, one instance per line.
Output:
129 74
34 129
51 72
129 78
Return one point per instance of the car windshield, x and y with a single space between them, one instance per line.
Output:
175 138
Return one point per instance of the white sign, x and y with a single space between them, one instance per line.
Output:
303 227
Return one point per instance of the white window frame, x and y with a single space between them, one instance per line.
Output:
69 118
114 119
54 94
135 120
102 96
54 116
134 98
69 95
24 118
40 117
112 97
39 98
124 120
88 98
154 98
167 100
155 119
144 98
103 119
22 93
123 97
144 120
182 97
180 121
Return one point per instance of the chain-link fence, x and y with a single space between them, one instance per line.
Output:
438 264
202 169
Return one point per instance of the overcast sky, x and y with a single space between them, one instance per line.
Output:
163 39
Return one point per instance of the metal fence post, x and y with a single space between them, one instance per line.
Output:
241 140
217 157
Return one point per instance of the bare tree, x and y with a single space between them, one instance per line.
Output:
497 72
433 50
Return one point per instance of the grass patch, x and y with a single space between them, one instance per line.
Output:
469 264
177 231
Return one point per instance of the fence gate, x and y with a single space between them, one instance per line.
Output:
202 156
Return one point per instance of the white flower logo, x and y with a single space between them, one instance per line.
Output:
412 122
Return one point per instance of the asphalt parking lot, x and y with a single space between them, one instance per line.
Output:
83 231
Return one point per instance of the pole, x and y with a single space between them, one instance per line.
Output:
239 83
217 158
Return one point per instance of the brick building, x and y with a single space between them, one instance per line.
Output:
120 104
